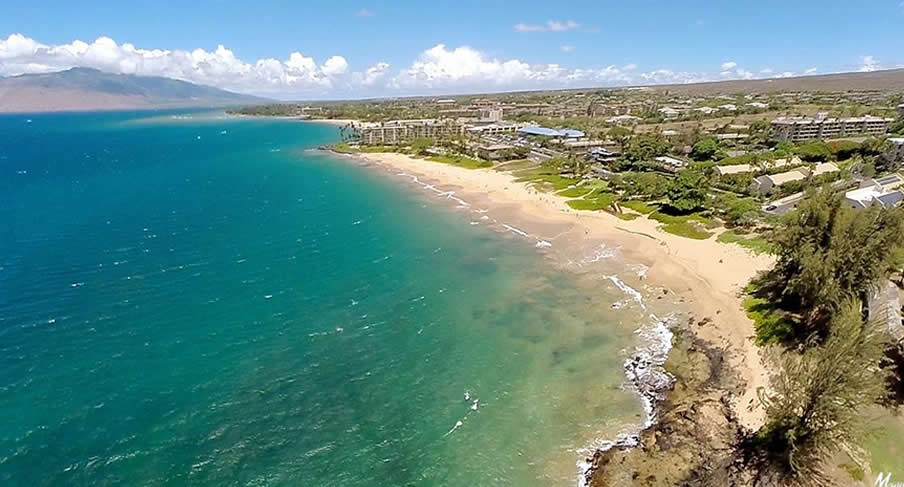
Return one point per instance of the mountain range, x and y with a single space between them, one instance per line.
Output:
82 89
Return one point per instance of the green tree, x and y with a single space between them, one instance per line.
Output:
705 149
421 145
814 151
556 164
783 148
646 184
818 400
740 212
646 146
688 191
844 149
828 253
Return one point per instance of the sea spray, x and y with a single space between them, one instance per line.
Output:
645 374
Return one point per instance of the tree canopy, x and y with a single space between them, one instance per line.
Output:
819 396
828 253
814 151
688 191
647 146
705 149
646 184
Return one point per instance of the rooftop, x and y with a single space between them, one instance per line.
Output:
548 132
493 147
824 168
671 161
809 120
734 169
787 177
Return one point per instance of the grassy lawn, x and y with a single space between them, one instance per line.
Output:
772 325
594 202
693 225
687 230
344 148
756 244
884 446
516 165
639 206
461 161
544 180
379 148
576 192
628 216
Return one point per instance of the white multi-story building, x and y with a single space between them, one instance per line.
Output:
402 131
797 129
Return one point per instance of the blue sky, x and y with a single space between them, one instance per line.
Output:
408 47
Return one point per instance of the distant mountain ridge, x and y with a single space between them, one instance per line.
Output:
81 89
884 80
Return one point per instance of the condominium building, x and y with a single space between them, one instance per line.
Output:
495 128
402 131
797 129
897 149
490 114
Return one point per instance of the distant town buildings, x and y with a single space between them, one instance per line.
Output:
624 120
671 163
798 129
490 114
669 112
885 192
496 128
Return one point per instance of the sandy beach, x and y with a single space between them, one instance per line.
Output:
708 275
333 121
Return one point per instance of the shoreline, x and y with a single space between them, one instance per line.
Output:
704 275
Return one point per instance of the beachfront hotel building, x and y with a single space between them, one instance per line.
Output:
798 129
402 131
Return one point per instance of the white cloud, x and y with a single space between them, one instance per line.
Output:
567 48
364 13
549 26
667 76
811 70
438 70
868 63
375 73
220 67
464 69
334 66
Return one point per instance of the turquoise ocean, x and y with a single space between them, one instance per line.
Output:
193 299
